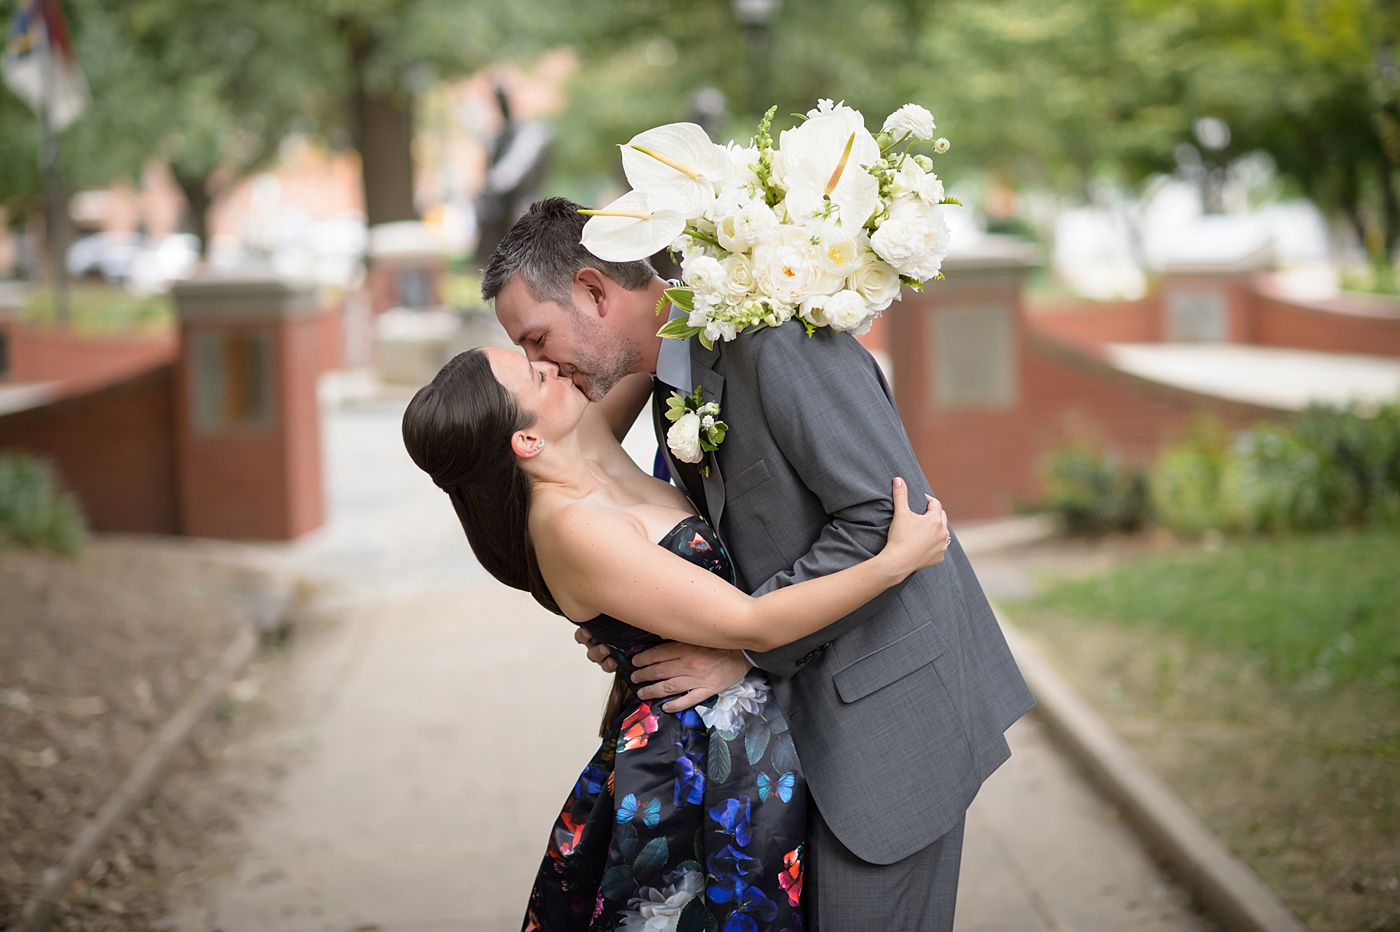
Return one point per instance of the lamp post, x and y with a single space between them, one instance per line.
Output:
756 17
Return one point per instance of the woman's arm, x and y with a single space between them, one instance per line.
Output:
599 562
620 407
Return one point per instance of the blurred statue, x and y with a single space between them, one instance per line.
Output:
519 160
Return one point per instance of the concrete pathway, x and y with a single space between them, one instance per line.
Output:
445 718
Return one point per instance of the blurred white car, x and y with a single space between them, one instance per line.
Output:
105 256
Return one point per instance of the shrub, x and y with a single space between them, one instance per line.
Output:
1093 492
1274 480
1185 482
34 512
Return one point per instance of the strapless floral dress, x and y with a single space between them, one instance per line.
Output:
684 821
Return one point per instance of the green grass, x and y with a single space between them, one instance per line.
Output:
1317 610
103 309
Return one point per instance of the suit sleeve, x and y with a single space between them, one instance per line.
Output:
830 412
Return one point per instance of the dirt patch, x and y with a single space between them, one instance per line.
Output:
96 653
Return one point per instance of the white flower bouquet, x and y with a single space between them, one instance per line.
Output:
825 227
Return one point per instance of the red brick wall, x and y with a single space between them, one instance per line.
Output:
40 355
1349 324
982 462
1096 324
113 446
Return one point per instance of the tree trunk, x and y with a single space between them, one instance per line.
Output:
383 134
1390 207
198 202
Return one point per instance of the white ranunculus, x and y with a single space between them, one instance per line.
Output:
914 238
660 910
808 159
754 223
913 180
738 272
911 120
704 274
678 165
941 145
632 227
731 705
845 310
874 280
787 267
684 438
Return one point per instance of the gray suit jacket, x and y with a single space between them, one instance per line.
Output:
898 710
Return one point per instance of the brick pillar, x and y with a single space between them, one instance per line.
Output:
248 431
1212 302
958 354
11 297
406 267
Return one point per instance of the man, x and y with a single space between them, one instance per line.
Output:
898 710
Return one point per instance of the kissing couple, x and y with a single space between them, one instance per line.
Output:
810 685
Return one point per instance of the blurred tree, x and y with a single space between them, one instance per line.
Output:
395 49
1053 96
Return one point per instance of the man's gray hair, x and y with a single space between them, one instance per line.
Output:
543 248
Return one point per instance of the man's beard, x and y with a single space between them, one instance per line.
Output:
615 359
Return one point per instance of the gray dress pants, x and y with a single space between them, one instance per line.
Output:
842 893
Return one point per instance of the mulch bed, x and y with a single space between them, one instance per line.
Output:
96 653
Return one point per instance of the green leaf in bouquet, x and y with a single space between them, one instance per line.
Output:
683 298
679 329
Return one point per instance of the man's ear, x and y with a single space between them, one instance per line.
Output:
525 446
597 285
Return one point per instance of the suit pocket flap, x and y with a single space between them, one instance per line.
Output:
746 480
895 660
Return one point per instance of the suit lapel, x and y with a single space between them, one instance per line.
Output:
711 384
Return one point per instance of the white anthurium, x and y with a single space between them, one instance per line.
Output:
822 162
678 165
631 228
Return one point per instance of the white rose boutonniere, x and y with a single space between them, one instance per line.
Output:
696 428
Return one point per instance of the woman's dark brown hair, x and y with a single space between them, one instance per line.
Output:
458 429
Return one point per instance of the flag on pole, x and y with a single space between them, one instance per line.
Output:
39 66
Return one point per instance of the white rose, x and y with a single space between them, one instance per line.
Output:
704 274
787 267
684 438
846 310
738 272
874 280
912 120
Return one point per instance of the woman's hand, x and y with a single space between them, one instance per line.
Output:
915 540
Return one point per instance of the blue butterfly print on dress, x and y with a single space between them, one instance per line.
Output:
650 811
782 786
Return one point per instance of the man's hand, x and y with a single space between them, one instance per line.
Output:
687 673
598 653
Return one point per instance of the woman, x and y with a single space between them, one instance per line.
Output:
693 819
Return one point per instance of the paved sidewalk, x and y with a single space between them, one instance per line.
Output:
446 718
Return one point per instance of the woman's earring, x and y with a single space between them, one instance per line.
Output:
539 445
